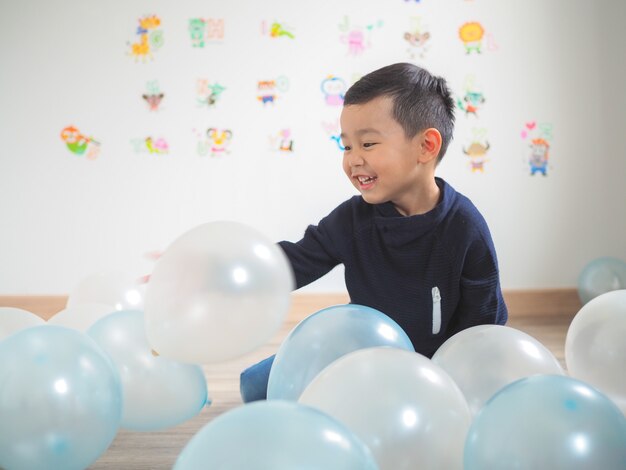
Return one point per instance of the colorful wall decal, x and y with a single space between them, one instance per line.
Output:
471 35
473 99
268 90
276 30
477 150
153 95
333 130
208 93
203 31
538 138
334 89
418 39
214 142
282 141
150 145
80 145
357 38
150 38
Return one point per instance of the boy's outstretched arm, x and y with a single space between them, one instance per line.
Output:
317 252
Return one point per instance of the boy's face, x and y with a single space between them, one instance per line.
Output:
379 160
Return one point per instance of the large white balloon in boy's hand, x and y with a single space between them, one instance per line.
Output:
219 291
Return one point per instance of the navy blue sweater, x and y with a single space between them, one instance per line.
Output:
435 274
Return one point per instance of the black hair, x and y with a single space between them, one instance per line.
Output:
420 100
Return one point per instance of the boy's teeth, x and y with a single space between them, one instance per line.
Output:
365 179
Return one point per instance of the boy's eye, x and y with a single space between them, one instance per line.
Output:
369 144
347 148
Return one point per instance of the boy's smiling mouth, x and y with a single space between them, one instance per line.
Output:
366 182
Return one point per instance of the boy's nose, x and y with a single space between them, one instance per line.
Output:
355 159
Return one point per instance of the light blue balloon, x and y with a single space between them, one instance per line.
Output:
60 400
547 421
600 276
324 337
275 435
158 392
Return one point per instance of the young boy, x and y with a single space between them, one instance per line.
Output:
413 248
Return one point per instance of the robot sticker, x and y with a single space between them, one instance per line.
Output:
269 91
477 150
214 142
357 38
282 141
538 138
80 145
150 38
472 100
153 95
333 131
153 146
417 38
203 31
208 93
334 90
276 30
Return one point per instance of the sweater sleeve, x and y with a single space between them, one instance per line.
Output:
317 252
481 301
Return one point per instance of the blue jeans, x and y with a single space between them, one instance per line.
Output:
253 380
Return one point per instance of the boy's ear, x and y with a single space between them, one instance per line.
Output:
430 145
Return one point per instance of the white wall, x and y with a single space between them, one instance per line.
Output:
64 63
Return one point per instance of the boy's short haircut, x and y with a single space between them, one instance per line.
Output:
420 100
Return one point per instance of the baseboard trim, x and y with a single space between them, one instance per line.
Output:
519 302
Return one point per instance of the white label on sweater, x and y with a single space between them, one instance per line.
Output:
436 310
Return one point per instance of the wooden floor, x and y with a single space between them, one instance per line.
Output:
546 317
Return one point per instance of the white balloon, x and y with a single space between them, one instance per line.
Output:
484 358
219 291
14 319
595 345
158 392
119 290
81 316
408 410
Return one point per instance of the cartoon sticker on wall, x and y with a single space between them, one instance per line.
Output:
269 91
151 145
538 138
473 98
150 38
79 144
418 39
203 31
208 93
214 142
333 131
334 89
153 95
476 150
277 29
475 39
357 38
281 141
